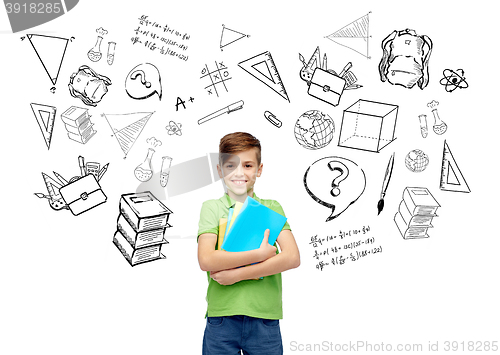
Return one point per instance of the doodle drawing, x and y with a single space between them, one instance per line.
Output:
272 118
451 176
83 194
143 81
354 36
416 161
174 128
166 162
127 127
88 86
405 59
416 211
385 184
54 197
335 183
217 77
263 68
229 36
423 125
45 117
95 54
453 79
50 51
111 53
228 109
78 125
144 171
314 130
368 125
439 126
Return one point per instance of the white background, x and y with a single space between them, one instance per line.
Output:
65 288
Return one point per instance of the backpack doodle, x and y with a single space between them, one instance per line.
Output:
405 59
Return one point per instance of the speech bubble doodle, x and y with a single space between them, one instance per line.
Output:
143 81
335 182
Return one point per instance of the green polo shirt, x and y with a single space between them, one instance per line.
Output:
254 298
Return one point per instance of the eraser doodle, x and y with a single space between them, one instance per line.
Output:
143 81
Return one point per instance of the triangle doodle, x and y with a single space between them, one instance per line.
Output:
229 36
354 36
50 51
451 176
45 116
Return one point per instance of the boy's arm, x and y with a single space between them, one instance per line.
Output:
288 258
216 260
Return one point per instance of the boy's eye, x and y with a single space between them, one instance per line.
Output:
248 165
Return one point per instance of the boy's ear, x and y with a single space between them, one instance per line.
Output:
259 171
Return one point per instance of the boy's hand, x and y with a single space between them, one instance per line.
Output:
225 277
266 250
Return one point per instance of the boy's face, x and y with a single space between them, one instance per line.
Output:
239 172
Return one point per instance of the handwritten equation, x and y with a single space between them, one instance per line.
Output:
161 39
340 253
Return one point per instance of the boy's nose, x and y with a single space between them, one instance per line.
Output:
239 170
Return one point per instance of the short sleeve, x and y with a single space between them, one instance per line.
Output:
276 207
209 222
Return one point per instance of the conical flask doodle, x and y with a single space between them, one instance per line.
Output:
94 53
165 170
144 171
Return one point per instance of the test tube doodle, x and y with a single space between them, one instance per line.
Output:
423 125
165 170
111 52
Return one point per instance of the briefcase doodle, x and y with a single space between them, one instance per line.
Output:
83 194
326 86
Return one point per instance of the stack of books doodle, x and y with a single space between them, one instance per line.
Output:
141 227
77 123
416 212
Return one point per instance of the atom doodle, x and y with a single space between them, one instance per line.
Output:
453 79
174 128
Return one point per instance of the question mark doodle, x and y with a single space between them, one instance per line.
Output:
71 39
53 89
336 165
140 73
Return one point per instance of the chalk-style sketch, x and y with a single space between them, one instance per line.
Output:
56 202
144 171
416 161
111 53
141 226
166 162
439 126
127 127
272 118
143 81
228 109
405 59
452 178
385 184
423 125
215 78
95 54
368 125
229 36
50 51
263 68
355 36
325 84
453 79
152 141
314 130
45 116
174 128
88 86
416 212
335 182
78 125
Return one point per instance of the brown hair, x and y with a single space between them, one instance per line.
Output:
238 142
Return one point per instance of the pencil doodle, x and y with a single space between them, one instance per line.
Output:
423 125
405 59
416 161
272 118
355 36
228 109
144 171
143 81
45 117
141 227
439 126
368 125
229 36
325 84
88 86
452 178
314 130
385 183
78 125
263 68
218 77
174 128
166 162
453 79
50 51
127 127
334 182
415 213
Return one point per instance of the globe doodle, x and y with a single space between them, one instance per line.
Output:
314 130
416 160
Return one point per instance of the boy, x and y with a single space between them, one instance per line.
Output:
244 303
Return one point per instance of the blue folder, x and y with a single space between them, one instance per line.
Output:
249 227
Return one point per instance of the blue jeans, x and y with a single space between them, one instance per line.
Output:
232 334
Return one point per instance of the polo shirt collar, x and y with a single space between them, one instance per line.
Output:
229 202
